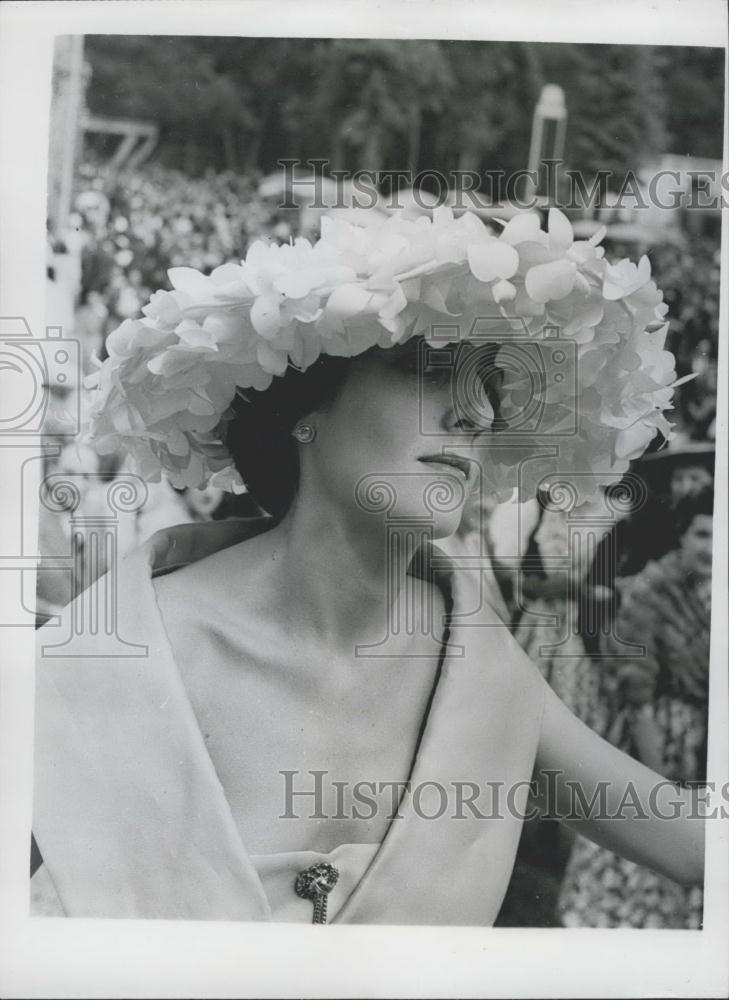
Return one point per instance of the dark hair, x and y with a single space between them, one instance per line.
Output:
259 435
692 506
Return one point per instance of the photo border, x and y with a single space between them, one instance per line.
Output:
145 958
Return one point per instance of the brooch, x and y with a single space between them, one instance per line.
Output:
315 883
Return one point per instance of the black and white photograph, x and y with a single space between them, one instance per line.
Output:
363 427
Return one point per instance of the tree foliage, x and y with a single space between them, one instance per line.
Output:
243 103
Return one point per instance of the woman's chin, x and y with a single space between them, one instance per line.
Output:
447 524
440 524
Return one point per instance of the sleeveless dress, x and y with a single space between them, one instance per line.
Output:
131 818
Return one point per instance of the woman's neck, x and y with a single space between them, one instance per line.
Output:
334 574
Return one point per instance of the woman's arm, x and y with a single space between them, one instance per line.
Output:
605 795
583 764
647 737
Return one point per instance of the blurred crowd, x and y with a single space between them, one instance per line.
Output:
647 580
134 225
126 230
616 613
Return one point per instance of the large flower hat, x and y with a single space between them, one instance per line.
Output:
163 396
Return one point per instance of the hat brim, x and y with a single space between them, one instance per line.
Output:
698 453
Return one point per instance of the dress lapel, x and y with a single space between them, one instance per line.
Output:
479 743
163 844
166 844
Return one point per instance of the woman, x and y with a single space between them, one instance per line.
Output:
659 714
555 624
557 628
323 693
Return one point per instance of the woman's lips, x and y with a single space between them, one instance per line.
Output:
454 462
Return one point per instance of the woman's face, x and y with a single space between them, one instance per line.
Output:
688 480
696 545
394 443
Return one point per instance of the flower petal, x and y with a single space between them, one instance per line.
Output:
266 315
187 279
347 301
633 441
523 227
561 235
394 304
492 260
550 281
272 361
294 285
503 291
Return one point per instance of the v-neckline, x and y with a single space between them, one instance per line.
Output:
425 723
133 821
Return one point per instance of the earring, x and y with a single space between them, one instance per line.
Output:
304 433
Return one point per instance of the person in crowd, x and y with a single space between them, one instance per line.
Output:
664 478
657 712
550 628
553 607
474 539
700 404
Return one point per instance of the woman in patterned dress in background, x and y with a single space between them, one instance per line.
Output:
659 716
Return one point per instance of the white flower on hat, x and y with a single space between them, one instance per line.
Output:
164 393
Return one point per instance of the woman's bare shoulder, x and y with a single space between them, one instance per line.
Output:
220 576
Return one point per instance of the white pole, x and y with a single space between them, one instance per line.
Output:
550 107
65 119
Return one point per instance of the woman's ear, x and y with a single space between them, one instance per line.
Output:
304 432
